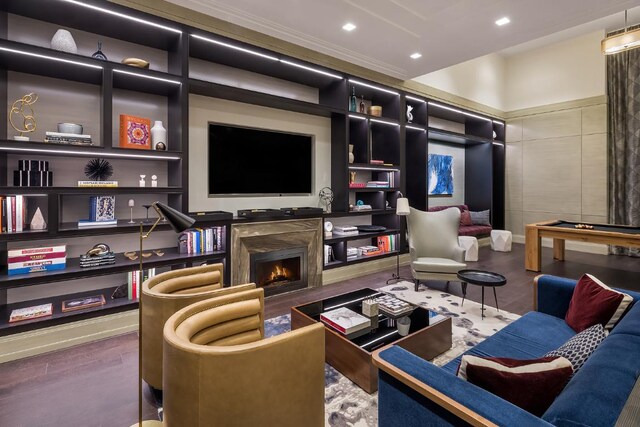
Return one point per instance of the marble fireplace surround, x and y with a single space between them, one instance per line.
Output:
256 237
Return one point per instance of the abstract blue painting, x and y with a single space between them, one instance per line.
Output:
440 174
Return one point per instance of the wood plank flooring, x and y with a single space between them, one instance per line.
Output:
95 384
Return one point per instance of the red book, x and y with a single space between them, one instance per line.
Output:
13 214
36 257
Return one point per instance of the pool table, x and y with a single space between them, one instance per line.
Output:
559 231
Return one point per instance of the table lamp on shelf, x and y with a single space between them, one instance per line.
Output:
179 222
402 209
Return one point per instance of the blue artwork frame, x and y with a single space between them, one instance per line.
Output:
440 175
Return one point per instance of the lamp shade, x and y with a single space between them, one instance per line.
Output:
178 221
402 206
620 42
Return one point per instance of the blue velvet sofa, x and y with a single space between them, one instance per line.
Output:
415 392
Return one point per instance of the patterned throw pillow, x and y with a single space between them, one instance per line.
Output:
578 349
481 218
594 302
532 385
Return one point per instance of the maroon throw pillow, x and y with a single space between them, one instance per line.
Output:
594 302
531 385
465 218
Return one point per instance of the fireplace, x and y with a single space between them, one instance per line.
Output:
279 271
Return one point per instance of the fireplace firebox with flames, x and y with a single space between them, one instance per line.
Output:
279 271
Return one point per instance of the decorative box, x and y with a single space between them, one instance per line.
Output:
102 208
33 165
135 132
369 308
32 178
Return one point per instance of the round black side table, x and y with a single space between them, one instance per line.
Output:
481 278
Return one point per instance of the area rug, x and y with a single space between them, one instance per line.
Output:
348 405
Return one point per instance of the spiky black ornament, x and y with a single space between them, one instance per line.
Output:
98 169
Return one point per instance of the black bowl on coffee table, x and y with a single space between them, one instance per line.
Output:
481 278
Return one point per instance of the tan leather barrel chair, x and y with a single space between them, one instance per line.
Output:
219 370
167 293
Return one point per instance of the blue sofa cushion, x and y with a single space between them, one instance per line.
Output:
630 323
578 349
596 395
530 337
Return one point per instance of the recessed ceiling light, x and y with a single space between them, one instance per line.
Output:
503 21
348 26
416 55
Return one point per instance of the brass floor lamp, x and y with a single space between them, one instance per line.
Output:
402 209
179 222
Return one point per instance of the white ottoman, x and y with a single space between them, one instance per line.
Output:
470 244
501 240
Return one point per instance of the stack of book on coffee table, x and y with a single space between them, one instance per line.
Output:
347 322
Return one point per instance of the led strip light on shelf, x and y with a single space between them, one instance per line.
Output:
231 46
353 116
358 82
122 15
384 122
89 153
130 73
366 168
455 110
415 128
51 58
270 57
415 99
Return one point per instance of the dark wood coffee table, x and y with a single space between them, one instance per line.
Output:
429 336
481 278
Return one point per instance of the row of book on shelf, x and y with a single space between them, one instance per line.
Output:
385 180
13 210
386 244
134 283
201 240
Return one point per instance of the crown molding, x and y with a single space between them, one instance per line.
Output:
559 106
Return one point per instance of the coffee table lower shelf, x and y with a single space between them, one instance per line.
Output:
356 363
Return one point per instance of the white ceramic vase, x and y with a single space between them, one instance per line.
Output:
159 136
351 156
63 40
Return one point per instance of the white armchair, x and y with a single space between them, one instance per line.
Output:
433 245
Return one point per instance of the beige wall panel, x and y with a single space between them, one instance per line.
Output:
595 219
514 130
514 222
552 175
534 217
594 119
513 177
552 125
594 174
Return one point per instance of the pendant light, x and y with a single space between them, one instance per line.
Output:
621 42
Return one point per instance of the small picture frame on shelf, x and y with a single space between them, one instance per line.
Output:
135 132
82 303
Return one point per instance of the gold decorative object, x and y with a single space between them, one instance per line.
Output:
136 62
375 110
23 107
352 177
158 252
131 255
146 254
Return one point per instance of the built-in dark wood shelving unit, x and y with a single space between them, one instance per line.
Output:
390 138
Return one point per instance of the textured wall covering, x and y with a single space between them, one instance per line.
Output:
556 165
623 90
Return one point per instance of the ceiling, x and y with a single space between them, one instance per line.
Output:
445 32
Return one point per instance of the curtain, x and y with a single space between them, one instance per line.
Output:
623 92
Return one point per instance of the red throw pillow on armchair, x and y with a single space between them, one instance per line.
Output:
531 385
465 218
594 302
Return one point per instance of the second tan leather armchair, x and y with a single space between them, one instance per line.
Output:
220 371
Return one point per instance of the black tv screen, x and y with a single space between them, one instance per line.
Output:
245 161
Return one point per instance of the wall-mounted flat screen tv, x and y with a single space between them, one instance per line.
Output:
257 162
